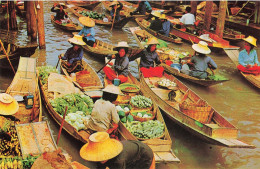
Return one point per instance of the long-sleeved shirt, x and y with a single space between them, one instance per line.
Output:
188 19
86 30
147 58
71 55
148 6
118 9
245 59
135 155
121 65
201 62
103 115
141 9
166 27
59 14
156 25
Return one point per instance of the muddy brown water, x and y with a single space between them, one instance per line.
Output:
237 100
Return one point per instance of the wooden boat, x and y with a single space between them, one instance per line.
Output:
253 79
79 12
81 135
85 4
14 52
67 27
85 82
210 126
144 24
160 146
25 83
203 82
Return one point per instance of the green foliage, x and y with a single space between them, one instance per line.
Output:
92 14
217 77
130 118
121 114
44 72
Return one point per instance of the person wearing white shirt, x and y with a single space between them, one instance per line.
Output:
188 18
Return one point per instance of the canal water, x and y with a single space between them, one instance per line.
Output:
237 100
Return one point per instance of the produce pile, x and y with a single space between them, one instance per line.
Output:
77 119
92 14
216 77
146 130
171 54
140 101
44 72
17 162
142 114
166 83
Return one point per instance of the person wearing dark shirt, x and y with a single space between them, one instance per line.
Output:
120 69
156 24
140 10
116 6
166 26
111 153
60 13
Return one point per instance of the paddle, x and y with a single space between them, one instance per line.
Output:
61 125
114 17
7 56
58 61
104 65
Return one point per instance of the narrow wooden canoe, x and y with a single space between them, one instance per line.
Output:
25 83
203 82
88 82
119 24
160 146
67 27
85 4
253 79
216 130
14 52
81 135
144 24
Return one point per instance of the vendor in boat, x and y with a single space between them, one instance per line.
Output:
248 60
104 115
143 7
73 55
149 58
156 24
60 13
88 31
120 69
113 154
116 6
197 66
188 18
166 26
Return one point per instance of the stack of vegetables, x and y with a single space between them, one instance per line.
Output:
123 112
79 108
92 14
44 72
17 162
216 77
166 83
141 102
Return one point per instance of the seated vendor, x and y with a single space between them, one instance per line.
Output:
60 13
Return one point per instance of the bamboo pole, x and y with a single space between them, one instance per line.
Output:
40 24
7 56
28 20
114 17
33 22
208 13
221 18
12 16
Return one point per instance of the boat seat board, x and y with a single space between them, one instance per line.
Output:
234 143
24 64
165 157
233 55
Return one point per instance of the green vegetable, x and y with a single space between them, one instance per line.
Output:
121 114
130 118
44 72
123 119
140 101
217 77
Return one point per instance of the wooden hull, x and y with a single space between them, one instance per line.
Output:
145 25
217 130
25 82
96 83
85 4
120 24
81 135
72 27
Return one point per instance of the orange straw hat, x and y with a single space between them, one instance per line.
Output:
100 147
251 40
8 105
201 47
87 21
77 39
152 41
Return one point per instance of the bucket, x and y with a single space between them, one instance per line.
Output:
116 82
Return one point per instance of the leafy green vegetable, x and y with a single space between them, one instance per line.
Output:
130 118
217 77
44 72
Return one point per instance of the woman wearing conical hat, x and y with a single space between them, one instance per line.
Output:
60 13
88 31
166 26
199 63
248 60
116 6
73 56
114 154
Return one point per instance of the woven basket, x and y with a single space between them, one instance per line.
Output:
141 109
200 112
137 118
163 56
122 99
142 139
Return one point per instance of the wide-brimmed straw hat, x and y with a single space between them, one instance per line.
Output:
100 147
77 39
251 40
122 44
201 47
152 41
87 21
112 89
163 16
156 14
8 105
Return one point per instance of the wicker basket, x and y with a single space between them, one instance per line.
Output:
141 119
141 109
142 139
122 99
199 112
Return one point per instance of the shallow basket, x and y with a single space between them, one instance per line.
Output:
141 109
137 118
122 99
142 139
200 113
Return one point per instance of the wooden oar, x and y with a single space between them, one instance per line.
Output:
58 62
61 125
7 56
114 17
104 65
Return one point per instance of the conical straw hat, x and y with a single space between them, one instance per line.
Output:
122 44
100 147
77 39
87 21
251 40
114 3
112 89
201 47
152 41
156 13
163 16
8 105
